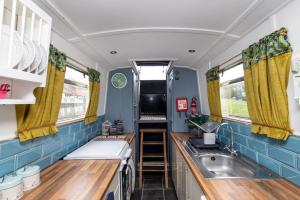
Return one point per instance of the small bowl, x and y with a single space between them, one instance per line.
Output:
3 94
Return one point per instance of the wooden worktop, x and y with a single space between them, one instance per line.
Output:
130 137
76 179
239 189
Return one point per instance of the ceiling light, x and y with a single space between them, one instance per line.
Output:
113 52
192 51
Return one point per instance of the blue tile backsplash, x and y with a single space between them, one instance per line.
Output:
282 157
45 151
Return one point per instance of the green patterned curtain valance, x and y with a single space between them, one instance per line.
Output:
213 74
57 58
94 75
271 45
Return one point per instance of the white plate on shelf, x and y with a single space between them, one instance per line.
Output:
44 63
28 56
17 50
38 57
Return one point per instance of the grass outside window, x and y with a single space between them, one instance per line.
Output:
233 95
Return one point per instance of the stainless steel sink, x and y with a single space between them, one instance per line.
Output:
220 164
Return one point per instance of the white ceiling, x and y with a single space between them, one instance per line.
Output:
143 29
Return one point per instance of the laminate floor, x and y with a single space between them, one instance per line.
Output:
154 189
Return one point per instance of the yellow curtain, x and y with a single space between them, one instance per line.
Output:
94 90
213 92
40 119
266 68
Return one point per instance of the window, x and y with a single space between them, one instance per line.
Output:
75 96
233 95
153 73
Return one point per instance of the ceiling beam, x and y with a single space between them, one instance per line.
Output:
236 22
155 29
74 28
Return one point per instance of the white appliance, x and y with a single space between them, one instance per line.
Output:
110 150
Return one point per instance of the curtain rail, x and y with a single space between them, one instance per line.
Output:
74 60
227 61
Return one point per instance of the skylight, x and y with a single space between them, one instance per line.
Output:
153 72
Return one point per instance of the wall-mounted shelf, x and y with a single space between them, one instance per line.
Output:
16 101
21 75
25 31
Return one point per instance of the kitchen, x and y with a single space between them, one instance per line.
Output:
149 100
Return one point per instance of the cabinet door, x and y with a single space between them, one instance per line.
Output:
174 163
188 186
181 181
178 176
193 191
114 187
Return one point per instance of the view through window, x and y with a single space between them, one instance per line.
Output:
75 95
153 72
233 95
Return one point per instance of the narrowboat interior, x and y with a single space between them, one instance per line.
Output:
149 100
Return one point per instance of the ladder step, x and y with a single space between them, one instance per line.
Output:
153 170
153 143
153 155
150 164
153 164
153 131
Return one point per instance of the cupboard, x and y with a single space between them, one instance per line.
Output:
187 188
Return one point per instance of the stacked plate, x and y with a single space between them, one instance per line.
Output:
17 48
28 55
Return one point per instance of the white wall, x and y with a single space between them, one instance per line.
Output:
287 17
8 124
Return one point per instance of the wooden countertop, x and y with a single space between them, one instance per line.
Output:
239 189
75 179
130 137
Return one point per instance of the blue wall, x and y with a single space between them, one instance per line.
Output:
186 86
119 103
45 151
282 157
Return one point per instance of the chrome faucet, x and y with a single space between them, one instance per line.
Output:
230 147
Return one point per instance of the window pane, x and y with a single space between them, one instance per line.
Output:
75 95
153 73
233 100
76 76
233 73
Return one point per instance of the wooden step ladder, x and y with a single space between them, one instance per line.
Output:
163 155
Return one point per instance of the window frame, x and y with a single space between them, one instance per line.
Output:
230 82
80 118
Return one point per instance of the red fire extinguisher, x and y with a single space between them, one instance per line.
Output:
193 107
